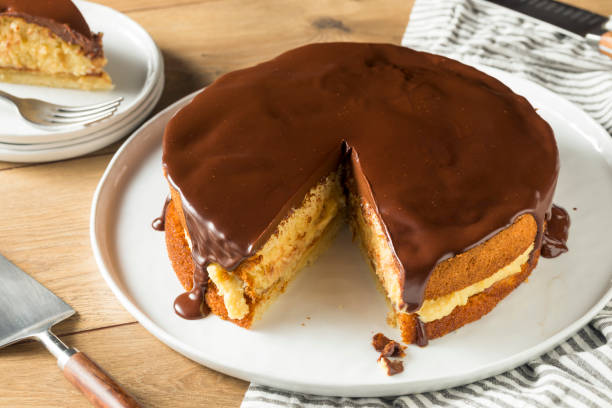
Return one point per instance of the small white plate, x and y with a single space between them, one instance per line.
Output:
46 152
133 119
134 64
316 337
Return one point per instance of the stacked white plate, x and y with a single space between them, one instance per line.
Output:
136 67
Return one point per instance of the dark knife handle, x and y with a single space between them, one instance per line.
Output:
99 388
605 44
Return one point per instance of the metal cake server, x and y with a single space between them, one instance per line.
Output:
596 29
27 311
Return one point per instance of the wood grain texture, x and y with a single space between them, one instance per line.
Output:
45 231
215 37
44 209
154 374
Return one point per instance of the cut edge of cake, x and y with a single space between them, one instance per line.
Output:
455 306
242 295
460 290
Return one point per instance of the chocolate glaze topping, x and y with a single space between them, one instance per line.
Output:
447 155
556 233
62 17
159 223
421 333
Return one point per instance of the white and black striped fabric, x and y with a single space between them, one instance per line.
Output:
577 373
478 32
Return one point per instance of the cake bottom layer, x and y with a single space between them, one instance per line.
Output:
94 82
476 307
473 308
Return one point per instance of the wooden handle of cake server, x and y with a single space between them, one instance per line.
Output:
99 388
605 44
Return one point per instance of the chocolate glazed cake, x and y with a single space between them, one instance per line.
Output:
49 43
445 175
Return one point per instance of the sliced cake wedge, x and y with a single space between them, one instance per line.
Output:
49 43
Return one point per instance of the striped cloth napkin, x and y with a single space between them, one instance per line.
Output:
577 373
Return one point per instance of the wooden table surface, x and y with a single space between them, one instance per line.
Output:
44 209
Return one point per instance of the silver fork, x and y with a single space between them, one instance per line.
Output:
46 114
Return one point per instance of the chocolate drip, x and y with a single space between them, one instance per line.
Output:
421 333
159 223
556 234
446 155
62 17
191 305
188 305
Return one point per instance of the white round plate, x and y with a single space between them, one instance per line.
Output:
133 119
316 337
37 153
134 64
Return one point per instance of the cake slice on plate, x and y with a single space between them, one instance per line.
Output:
49 43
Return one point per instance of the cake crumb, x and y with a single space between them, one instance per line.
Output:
392 319
379 341
391 367
387 347
393 349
